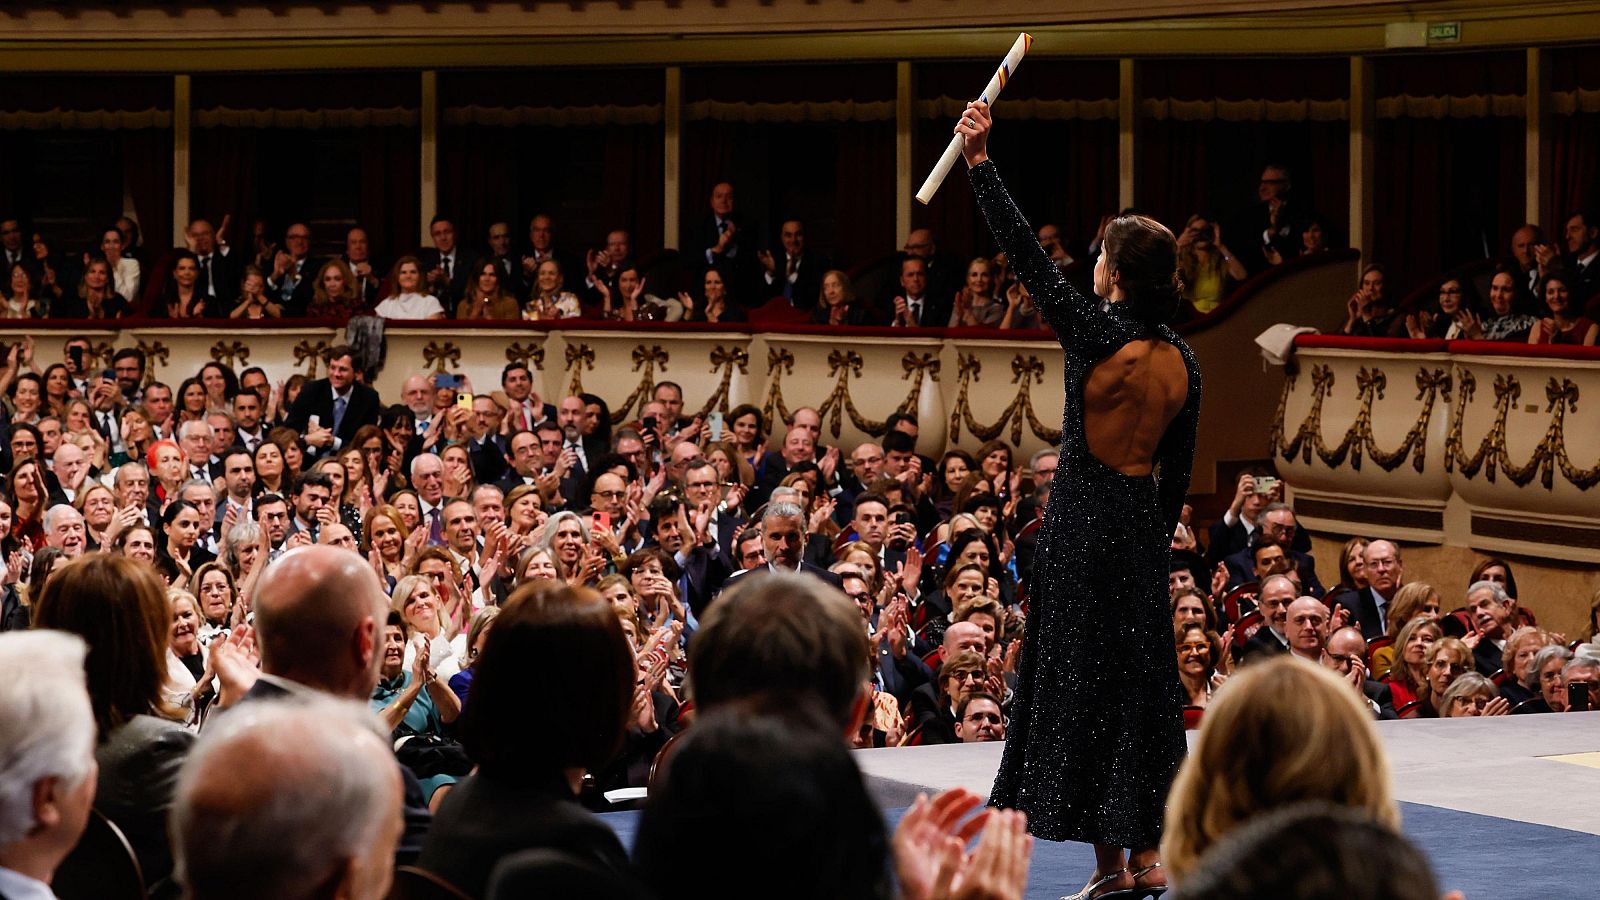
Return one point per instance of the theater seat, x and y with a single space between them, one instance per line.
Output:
413 883
1246 628
1410 710
1456 624
1242 593
657 764
537 874
1191 717
101 867
778 311
1380 663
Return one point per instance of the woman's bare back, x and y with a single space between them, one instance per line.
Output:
1129 399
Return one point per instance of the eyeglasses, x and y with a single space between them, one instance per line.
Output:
610 495
967 676
979 718
700 485
1194 648
862 597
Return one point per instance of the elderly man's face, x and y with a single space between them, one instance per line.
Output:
1489 614
964 636
1346 649
797 446
1274 603
1383 567
67 533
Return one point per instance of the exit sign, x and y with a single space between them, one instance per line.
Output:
1444 32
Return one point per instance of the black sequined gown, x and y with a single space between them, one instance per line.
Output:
1096 731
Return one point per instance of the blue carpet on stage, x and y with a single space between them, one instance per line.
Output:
1485 857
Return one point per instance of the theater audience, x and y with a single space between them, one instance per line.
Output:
1446 660
1408 670
1370 312
1565 323
1545 681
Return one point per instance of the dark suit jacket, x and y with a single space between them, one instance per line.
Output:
415 804
304 289
1241 570
1263 645
1487 657
937 722
901 677
316 399
707 569
807 286
805 567
489 458
369 289
1378 692
225 271
1364 606
484 819
460 275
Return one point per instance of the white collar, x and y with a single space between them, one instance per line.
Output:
16 886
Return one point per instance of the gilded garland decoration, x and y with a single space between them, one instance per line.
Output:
578 358
1551 454
154 353
230 354
1358 439
311 354
780 362
437 355
645 359
1026 371
724 360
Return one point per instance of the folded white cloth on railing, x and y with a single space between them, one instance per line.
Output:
1277 342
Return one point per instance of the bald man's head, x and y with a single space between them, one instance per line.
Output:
291 798
319 620
964 636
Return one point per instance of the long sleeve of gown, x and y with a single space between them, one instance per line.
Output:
1079 322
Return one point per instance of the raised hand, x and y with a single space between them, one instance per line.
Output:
975 125
927 830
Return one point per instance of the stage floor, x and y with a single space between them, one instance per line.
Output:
1507 807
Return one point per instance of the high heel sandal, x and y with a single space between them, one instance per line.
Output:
1088 892
1150 892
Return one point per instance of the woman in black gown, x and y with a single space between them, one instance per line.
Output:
1096 731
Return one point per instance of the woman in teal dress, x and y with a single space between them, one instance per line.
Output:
417 706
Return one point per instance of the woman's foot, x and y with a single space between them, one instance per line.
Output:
1099 885
1153 876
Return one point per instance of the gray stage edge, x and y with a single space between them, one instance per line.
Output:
1488 766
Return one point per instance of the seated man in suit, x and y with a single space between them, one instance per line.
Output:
783 536
446 266
1385 573
799 277
703 492
294 272
1345 652
300 793
338 403
688 539
798 447
47 779
1277 522
220 267
1277 592
1494 612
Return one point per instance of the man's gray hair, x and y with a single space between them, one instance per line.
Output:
127 466
50 730
1274 507
1542 659
784 495
191 425
54 514
1494 588
279 795
1033 461
1580 664
783 509
419 458
197 483
1271 578
486 487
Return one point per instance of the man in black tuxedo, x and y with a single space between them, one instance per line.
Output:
446 266
294 273
1277 592
1385 574
505 262
783 536
542 246
916 306
488 447
220 268
798 275
319 619
1583 252
358 256
340 405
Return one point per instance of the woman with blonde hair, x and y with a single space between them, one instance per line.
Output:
1406 669
1415 599
1445 661
334 293
1262 746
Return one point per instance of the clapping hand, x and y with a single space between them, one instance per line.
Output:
926 832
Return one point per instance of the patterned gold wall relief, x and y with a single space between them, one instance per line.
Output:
1550 455
1358 440
1025 372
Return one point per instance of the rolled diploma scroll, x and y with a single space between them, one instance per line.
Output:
953 152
